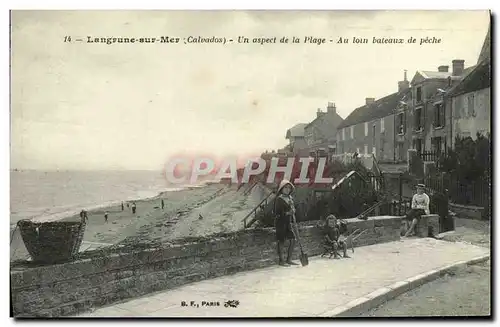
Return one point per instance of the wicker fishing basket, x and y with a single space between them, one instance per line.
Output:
52 242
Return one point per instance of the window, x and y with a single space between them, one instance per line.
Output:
470 106
352 131
382 125
417 145
366 149
401 124
366 129
437 144
418 119
343 134
419 94
439 115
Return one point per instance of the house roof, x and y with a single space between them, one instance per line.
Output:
430 74
479 78
296 131
312 123
325 125
381 108
486 49
427 74
333 118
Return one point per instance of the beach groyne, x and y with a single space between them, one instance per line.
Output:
105 278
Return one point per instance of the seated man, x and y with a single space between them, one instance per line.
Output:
334 237
419 206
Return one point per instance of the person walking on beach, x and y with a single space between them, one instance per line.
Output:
106 217
162 204
123 208
284 209
133 207
419 206
128 205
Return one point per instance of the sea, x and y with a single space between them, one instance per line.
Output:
53 195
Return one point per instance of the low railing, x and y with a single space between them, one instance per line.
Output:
477 193
471 192
250 188
262 205
432 155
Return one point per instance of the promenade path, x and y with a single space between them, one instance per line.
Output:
315 290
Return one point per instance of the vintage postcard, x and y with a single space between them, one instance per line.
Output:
250 163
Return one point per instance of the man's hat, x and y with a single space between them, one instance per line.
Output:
421 185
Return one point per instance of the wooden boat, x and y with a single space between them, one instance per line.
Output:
52 242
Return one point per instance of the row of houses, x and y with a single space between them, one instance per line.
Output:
318 135
425 114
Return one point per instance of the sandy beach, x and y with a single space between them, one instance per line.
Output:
221 207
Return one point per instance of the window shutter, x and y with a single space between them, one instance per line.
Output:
436 116
422 116
443 115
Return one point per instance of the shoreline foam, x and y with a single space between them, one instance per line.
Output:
73 210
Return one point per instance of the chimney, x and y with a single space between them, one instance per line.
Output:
331 108
369 101
458 67
318 113
443 69
403 85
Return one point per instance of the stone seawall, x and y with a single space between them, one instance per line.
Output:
79 286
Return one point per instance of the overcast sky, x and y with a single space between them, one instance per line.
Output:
132 106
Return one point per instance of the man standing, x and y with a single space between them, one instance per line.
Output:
106 217
419 206
162 204
284 209
133 208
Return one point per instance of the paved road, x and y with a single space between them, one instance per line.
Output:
315 290
467 293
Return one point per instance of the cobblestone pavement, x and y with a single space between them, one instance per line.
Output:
300 291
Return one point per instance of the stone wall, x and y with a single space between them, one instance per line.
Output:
76 287
428 226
